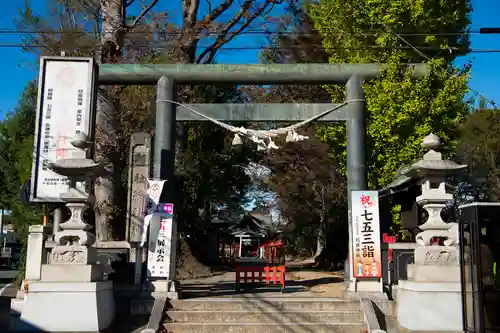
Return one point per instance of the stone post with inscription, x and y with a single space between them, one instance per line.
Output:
430 299
139 172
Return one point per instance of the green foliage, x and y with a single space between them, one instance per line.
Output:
358 31
478 147
16 154
309 192
16 146
400 110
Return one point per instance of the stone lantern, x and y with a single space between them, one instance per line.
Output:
72 294
430 299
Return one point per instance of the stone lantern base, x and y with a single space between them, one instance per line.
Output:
71 295
430 306
68 307
431 298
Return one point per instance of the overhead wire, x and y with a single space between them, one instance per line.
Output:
215 32
165 44
209 33
159 45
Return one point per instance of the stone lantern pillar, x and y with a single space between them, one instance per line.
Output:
430 299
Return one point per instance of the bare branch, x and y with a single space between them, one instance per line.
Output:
190 15
141 15
208 55
129 3
209 3
213 15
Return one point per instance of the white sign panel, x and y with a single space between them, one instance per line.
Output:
65 107
161 245
367 255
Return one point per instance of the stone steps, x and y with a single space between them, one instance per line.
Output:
264 315
263 328
269 303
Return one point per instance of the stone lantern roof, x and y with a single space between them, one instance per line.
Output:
431 165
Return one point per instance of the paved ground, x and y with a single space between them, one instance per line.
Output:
8 274
7 291
298 284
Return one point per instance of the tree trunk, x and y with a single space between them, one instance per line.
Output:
104 185
321 237
320 240
111 47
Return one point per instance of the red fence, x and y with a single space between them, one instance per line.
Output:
258 274
389 240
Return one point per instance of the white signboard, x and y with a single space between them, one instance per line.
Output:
367 256
161 247
66 106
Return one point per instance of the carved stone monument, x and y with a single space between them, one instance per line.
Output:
72 294
139 172
430 300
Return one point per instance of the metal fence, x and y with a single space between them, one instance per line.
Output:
480 298
400 260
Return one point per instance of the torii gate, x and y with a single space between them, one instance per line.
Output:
166 77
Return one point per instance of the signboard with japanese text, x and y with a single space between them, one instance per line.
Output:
65 107
367 257
161 244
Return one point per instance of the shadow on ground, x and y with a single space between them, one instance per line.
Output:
228 288
123 323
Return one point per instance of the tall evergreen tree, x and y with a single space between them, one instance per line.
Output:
400 110
16 156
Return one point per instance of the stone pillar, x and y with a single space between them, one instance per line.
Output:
35 255
57 220
139 172
163 230
357 178
430 299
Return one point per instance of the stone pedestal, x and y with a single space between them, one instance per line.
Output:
70 294
165 288
430 306
365 286
72 273
431 298
68 307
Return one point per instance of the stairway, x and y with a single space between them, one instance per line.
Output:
265 315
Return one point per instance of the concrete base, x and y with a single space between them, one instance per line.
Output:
68 307
364 285
72 273
429 306
165 288
433 273
369 286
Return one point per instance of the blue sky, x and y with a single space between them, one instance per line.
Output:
18 68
